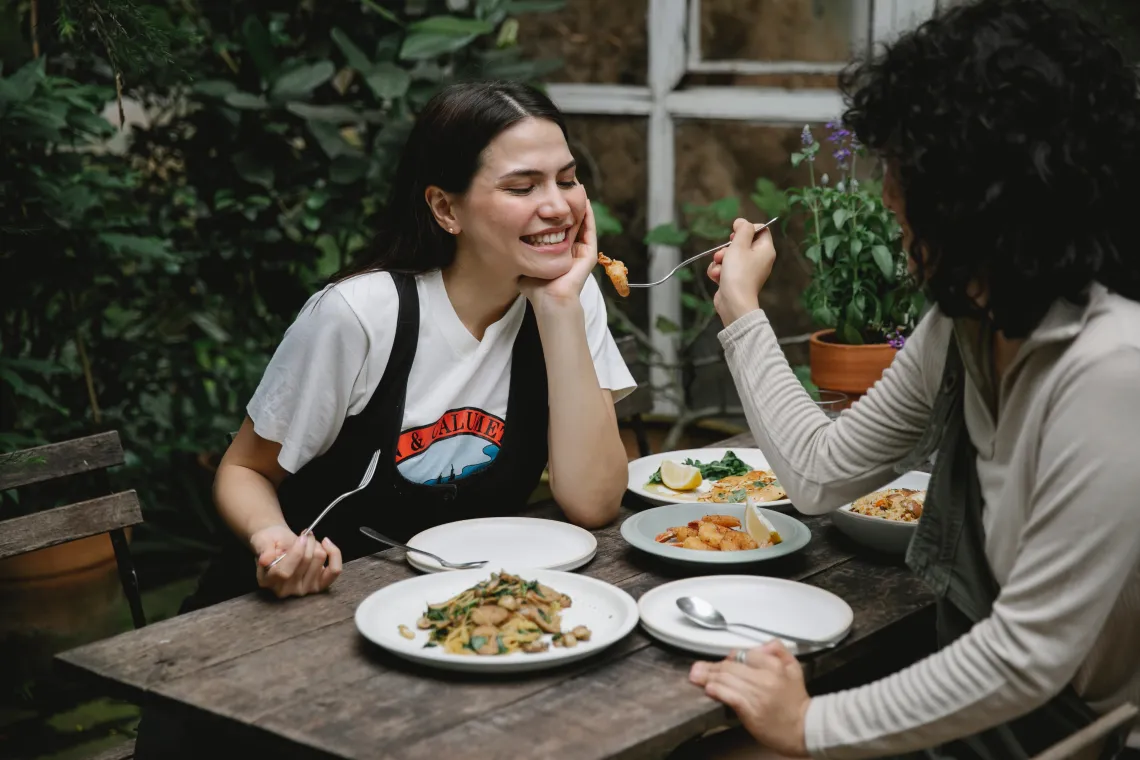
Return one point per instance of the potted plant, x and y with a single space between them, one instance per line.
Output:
861 292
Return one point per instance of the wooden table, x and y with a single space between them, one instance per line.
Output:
296 679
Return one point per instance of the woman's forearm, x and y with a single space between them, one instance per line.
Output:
246 500
587 458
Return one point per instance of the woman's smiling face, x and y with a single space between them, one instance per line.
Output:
524 206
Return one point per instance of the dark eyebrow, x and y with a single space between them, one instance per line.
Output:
534 172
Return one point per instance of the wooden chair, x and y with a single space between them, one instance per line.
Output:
1081 740
57 525
631 408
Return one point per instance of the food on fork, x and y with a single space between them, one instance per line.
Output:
898 504
719 533
617 273
501 615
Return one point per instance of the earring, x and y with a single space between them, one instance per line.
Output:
452 231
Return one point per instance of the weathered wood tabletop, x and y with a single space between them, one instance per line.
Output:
296 679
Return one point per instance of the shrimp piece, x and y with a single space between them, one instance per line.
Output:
737 541
675 534
617 273
712 534
725 521
692 542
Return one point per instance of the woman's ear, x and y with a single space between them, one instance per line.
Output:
442 209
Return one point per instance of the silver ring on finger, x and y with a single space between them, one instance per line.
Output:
741 656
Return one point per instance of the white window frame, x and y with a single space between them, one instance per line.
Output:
673 28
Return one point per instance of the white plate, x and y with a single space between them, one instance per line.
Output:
502 541
641 531
641 470
606 610
884 535
790 607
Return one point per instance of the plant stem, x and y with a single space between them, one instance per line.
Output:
96 415
35 28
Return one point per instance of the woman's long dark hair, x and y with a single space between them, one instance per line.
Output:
444 149
1013 128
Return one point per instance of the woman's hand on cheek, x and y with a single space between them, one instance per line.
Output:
566 289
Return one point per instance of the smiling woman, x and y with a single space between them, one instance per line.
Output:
440 352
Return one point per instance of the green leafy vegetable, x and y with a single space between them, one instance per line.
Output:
729 464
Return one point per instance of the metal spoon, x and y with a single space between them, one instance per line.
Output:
450 565
686 262
704 614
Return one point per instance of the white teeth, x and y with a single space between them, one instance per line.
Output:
549 239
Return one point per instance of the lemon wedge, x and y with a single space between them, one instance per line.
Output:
680 477
756 525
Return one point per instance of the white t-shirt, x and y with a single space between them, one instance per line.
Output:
333 356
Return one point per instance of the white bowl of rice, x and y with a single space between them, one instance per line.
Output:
886 520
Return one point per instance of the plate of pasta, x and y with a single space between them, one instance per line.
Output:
497 621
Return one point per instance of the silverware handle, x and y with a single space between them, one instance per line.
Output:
796 639
385 540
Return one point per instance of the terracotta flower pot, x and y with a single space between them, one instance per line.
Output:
60 563
850 369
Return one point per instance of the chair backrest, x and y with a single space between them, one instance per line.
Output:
1079 741
57 525
641 400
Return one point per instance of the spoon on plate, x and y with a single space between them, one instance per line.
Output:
705 615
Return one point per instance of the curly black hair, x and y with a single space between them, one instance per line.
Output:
1012 128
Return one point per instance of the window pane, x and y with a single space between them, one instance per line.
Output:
600 41
781 30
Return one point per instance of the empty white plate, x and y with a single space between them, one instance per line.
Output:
503 542
609 612
641 470
788 607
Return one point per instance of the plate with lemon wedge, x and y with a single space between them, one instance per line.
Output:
709 476
715 534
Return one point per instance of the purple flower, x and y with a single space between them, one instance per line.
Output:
896 341
842 155
805 136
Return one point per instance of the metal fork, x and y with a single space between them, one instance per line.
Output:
686 262
451 565
363 484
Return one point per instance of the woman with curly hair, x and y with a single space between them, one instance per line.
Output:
1009 134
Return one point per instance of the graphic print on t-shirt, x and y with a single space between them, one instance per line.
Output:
457 445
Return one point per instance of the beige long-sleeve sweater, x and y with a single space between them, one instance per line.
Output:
1060 472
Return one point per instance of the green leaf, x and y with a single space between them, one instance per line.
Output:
333 114
260 47
346 169
214 88
354 55
604 220
840 216
830 243
388 81
384 12
330 140
797 159
210 326
769 198
667 326
245 101
253 169
451 25
856 246
726 209
849 335
91 123
300 82
855 313
22 85
700 305
27 390
886 262
534 6
812 254
145 247
666 234
429 45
